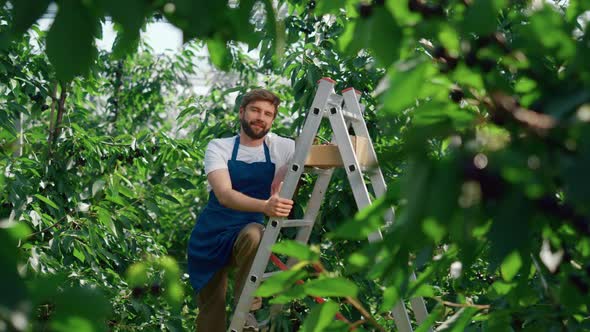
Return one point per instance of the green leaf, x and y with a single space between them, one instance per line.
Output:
219 53
500 289
169 197
181 183
73 323
391 296
137 274
97 186
358 260
459 321
70 41
79 255
339 286
435 230
432 113
482 16
13 289
435 315
380 32
294 293
152 206
47 201
366 222
329 6
174 294
27 12
425 290
511 265
70 315
104 216
279 282
130 15
296 249
405 85
320 317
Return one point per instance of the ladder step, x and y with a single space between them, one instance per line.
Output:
297 223
317 170
267 275
350 116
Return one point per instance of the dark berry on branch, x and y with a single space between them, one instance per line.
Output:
439 52
449 64
155 289
414 5
471 59
483 42
487 64
37 97
365 10
456 94
432 10
580 283
137 292
44 107
312 5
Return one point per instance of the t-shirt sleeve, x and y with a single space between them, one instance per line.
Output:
286 150
289 150
215 158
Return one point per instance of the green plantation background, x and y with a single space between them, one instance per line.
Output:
479 110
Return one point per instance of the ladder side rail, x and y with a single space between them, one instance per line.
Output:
314 205
317 198
349 160
255 275
305 140
310 128
311 213
419 306
360 128
380 187
361 194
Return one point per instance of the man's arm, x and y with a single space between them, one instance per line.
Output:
275 188
220 182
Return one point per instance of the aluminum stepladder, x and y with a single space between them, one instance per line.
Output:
326 103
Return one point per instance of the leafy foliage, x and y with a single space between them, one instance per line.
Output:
480 119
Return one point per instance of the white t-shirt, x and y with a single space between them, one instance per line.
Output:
219 152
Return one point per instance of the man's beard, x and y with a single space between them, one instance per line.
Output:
250 132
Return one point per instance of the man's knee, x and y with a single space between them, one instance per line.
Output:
252 233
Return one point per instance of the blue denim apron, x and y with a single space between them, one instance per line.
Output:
212 239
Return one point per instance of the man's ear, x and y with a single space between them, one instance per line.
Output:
241 111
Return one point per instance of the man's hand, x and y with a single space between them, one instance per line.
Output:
276 206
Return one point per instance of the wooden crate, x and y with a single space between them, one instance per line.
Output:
325 156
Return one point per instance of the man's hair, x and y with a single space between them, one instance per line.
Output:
260 94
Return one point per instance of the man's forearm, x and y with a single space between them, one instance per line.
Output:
236 200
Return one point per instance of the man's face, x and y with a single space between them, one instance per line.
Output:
256 118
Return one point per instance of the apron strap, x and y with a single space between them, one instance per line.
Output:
234 154
266 153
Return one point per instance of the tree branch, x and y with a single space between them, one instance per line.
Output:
60 110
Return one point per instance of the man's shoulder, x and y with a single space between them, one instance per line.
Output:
280 140
223 142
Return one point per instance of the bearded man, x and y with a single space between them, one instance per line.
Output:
244 174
